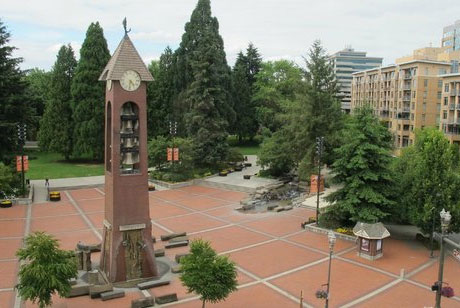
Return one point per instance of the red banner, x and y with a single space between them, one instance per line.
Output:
169 154
19 163
176 154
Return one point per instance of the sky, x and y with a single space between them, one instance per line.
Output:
280 29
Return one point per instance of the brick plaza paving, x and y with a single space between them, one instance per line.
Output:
275 258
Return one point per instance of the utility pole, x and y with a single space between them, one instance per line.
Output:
319 153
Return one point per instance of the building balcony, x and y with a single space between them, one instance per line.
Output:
454 92
407 76
406 87
452 107
406 98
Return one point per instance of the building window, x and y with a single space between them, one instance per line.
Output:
438 108
424 94
425 83
439 83
412 116
423 117
413 94
427 71
444 114
424 107
446 88
446 101
439 94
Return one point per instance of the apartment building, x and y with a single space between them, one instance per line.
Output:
405 96
451 37
450 107
346 62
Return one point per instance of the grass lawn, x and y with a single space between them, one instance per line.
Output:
52 166
248 149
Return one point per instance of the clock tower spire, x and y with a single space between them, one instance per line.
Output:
127 248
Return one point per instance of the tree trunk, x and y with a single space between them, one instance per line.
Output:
204 302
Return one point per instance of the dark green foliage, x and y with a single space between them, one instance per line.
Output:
56 126
320 112
8 181
46 269
15 105
164 170
203 84
88 94
210 276
277 85
362 170
160 94
38 91
428 181
244 76
299 107
275 155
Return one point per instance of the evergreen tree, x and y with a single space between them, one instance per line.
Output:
88 95
362 168
244 76
160 94
56 129
204 84
15 105
428 181
322 115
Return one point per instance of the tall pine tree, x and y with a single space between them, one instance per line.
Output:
15 105
160 94
204 84
243 77
363 170
88 95
56 126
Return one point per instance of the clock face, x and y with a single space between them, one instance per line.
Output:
109 85
130 80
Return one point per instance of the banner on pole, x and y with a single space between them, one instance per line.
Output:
19 163
169 154
176 154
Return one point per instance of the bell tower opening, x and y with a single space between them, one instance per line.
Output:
129 138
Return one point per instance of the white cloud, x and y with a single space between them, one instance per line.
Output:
389 29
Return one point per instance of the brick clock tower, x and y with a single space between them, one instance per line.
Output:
127 248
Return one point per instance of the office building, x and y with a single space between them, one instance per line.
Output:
451 37
346 62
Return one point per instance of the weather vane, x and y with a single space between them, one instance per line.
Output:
124 26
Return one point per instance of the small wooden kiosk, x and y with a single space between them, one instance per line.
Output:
370 239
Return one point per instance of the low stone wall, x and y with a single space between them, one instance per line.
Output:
313 228
27 200
171 185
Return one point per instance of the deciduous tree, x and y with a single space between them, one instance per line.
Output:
211 276
45 270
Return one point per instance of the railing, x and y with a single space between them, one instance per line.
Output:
406 109
452 107
406 87
407 76
454 92
406 98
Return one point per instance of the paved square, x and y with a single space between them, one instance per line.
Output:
275 258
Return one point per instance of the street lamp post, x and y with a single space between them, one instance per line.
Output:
432 232
445 221
331 237
319 153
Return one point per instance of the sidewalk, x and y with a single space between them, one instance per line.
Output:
235 181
